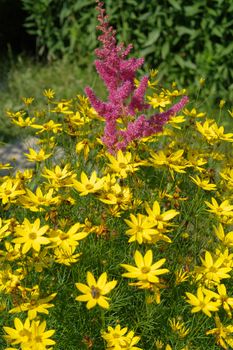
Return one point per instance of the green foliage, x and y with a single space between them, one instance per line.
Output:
185 40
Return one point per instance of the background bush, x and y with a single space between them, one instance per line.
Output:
184 40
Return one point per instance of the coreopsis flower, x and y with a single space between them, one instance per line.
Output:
160 100
145 269
122 164
39 156
117 338
227 175
86 186
172 161
66 256
34 306
11 252
194 113
141 228
83 146
29 335
10 279
223 211
210 130
222 334
116 194
4 229
212 270
94 292
160 220
179 327
10 190
59 177
49 93
224 300
63 107
204 183
65 240
50 126
31 235
38 201
23 122
5 166
28 100
180 276
226 239
203 301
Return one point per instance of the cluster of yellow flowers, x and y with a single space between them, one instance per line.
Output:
143 196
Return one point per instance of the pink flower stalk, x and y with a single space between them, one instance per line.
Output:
124 100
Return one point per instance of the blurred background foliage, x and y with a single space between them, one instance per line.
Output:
184 39
51 43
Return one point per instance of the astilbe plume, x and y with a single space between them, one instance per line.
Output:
124 99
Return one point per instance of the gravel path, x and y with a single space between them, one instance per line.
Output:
13 153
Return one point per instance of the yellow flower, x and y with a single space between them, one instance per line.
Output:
94 292
204 183
31 235
227 175
23 122
179 327
181 276
173 161
222 334
193 113
49 126
202 302
86 185
210 130
118 338
34 306
212 271
34 156
227 239
140 228
224 211
122 164
144 269
159 100
10 190
60 177
29 336
66 256
27 100
221 103
37 202
83 146
49 93
160 220
65 240
223 299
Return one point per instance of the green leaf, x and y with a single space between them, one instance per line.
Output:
152 38
165 50
175 4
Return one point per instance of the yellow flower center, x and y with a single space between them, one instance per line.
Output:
38 339
145 269
32 235
95 292
89 186
122 165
